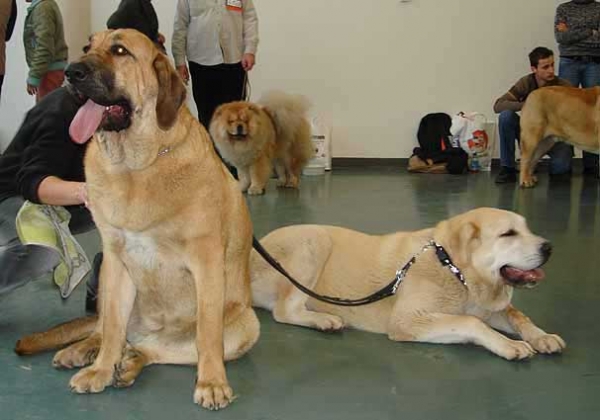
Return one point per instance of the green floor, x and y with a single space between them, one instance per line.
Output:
295 373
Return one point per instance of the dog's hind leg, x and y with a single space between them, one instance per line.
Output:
305 263
80 354
533 147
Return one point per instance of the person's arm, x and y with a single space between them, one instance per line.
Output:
507 102
180 30
565 33
250 35
10 26
57 192
44 24
48 162
511 100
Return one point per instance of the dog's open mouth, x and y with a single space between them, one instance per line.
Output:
92 116
522 278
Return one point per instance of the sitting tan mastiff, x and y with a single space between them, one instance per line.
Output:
176 233
494 250
557 112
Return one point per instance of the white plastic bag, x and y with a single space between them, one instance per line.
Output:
469 132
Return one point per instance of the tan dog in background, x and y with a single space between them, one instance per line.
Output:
254 137
569 114
494 249
176 234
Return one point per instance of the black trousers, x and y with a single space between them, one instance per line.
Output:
215 85
1 82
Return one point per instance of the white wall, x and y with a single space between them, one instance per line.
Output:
15 101
376 67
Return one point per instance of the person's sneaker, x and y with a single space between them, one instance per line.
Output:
506 175
91 295
591 171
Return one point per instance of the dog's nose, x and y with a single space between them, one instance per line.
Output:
240 130
546 249
77 72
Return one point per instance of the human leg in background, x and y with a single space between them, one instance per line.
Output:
586 74
561 156
509 130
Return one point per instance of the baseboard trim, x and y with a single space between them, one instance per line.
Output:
345 162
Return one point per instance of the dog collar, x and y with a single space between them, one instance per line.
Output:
441 255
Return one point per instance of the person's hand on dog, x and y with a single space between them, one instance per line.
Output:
248 61
562 27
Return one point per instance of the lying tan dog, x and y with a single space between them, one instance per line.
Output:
176 233
569 114
494 249
255 136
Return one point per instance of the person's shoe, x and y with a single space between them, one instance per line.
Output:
91 296
591 171
506 175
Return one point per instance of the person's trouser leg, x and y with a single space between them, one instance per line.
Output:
1 83
561 156
509 130
201 88
19 264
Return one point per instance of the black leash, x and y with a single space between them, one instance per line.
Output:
387 291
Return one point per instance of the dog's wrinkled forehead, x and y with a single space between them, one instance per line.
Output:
120 43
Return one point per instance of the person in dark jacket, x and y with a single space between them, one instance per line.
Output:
44 166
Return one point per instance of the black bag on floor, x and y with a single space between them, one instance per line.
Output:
435 145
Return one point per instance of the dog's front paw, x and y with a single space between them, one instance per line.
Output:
516 350
528 182
548 344
329 323
91 380
213 395
255 190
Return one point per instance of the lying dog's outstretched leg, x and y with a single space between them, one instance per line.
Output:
117 292
513 321
448 329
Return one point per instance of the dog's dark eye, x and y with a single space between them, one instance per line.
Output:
119 50
508 233
86 49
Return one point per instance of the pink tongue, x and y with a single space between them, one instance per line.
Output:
525 275
86 121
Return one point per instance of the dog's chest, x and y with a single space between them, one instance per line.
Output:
141 250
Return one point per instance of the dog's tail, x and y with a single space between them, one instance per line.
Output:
57 337
290 117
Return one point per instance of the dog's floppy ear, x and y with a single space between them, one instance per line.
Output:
459 236
171 92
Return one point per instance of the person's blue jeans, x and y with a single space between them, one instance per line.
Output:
585 73
510 134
